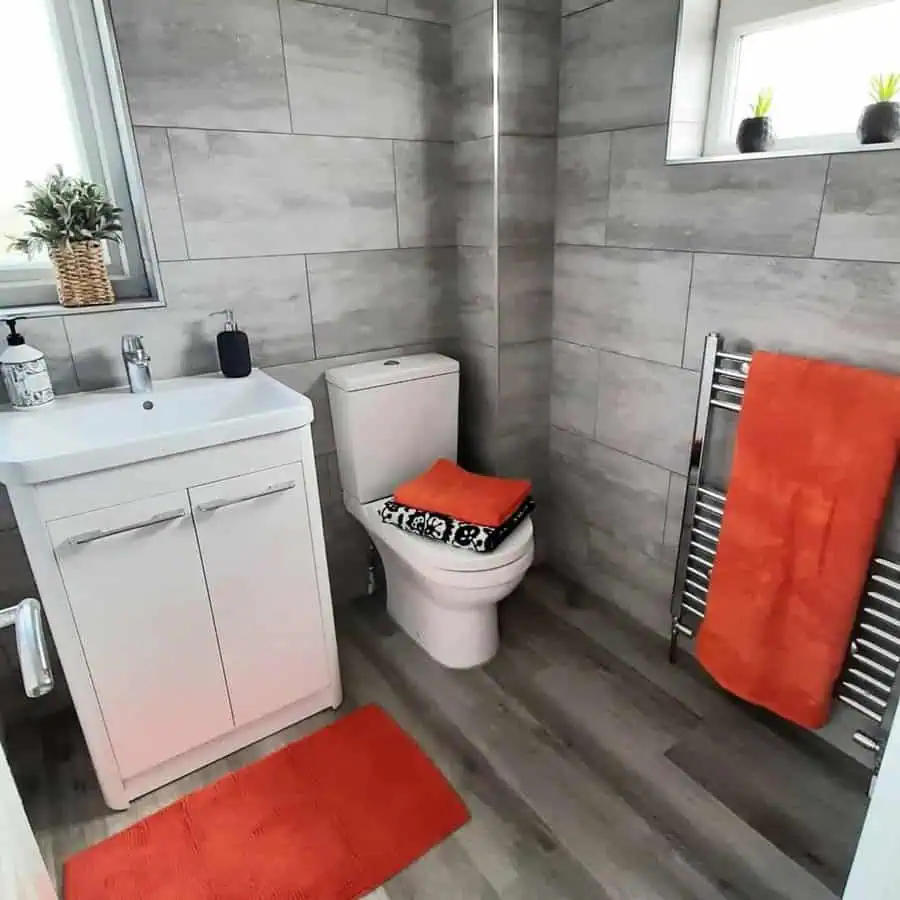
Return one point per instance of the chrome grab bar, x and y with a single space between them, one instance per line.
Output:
31 643
213 505
101 533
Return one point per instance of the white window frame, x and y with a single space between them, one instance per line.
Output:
88 50
738 18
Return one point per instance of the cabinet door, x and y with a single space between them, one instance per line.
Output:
136 588
257 552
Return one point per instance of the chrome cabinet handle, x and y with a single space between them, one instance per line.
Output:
101 533
213 505
31 644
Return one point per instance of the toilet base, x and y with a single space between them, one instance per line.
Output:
456 638
452 616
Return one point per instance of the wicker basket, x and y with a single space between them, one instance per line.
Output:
81 275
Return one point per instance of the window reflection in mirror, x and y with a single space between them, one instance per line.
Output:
784 77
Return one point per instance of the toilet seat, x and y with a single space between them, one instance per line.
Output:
428 555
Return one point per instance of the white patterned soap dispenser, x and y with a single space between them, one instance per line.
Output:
25 374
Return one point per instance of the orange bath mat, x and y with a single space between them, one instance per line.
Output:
330 817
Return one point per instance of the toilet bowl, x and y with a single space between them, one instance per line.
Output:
392 419
443 597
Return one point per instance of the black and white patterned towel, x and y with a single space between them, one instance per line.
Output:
450 531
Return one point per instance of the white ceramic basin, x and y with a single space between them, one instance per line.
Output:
82 433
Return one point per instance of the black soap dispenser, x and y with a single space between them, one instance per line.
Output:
234 348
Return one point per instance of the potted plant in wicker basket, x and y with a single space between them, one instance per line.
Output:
69 218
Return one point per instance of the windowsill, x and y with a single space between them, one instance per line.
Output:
45 310
812 150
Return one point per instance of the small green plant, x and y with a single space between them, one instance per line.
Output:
883 88
763 103
67 210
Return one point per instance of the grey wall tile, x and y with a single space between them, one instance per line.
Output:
430 10
426 207
523 397
363 301
525 276
844 310
529 69
637 579
674 512
473 77
158 179
474 167
582 189
526 190
366 75
479 384
574 388
630 301
268 296
760 206
465 8
617 66
646 410
861 213
476 277
203 63
260 194
608 489
548 7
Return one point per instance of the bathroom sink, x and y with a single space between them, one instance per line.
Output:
87 432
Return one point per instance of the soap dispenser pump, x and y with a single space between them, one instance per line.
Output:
25 374
234 348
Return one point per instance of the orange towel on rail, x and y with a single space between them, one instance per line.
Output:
481 499
816 447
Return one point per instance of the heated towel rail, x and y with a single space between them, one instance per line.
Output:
868 679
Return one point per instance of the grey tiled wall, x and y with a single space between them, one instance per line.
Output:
800 255
298 162
506 185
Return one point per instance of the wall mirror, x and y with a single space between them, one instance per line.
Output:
784 77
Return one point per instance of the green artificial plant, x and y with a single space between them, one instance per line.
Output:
884 88
65 209
762 106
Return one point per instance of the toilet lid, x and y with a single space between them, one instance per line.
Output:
436 555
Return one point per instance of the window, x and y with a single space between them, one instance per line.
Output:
61 105
817 57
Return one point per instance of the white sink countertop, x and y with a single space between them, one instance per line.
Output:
80 433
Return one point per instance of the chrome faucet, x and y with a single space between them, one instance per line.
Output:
137 364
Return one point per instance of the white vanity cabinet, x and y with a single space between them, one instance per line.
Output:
255 543
185 586
134 581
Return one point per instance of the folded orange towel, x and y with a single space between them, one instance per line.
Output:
816 447
481 499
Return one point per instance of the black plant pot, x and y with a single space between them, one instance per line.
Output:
879 123
756 135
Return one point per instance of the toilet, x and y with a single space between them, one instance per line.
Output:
392 419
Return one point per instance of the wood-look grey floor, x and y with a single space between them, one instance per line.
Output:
593 769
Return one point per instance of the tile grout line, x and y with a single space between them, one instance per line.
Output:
687 313
309 303
178 203
697 251
396 190
821 209
287 85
